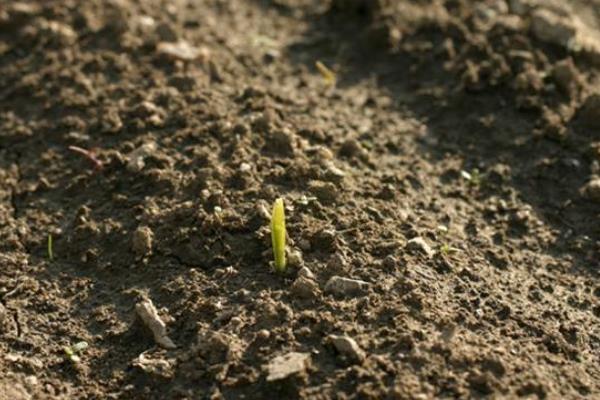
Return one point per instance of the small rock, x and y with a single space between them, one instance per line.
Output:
2 313
390 262
21 8
348 347
305 288
323 155
289 364
566 75
304 272
345 286
419 244
305 244
337 264
111 121
324 239
294 259
31 382
158 367
166 33
262 210
592 189
387 192
333 173
136 159
245 167
550 27
182 50
352 148
326 192
263 334
590 111
520 7
141 242
218 347
149 316
282 142
59 30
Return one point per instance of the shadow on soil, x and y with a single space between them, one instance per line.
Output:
485 129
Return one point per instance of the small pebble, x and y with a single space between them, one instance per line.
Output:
141 242
326 192
550 27
182 50
305 288
592 189
348 347
419 244
345 286
390 262
294 258
263 334
286 365
307 273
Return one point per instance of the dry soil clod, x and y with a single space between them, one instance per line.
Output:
286 365
149 316
158 367
592 189
348 347
305 288
141 241
420 245
183 51
345 286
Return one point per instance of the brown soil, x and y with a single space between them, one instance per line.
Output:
153 167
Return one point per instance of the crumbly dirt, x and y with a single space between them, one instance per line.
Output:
149 138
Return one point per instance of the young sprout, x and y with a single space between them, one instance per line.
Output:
445 248
474 177
278 235
71 351
327 74
50 248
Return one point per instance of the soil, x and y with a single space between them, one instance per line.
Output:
452 168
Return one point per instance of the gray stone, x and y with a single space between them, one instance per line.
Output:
592 189
553 28
306 273
420 245
305 288
348 347
289 364
345 286
141 241
149 316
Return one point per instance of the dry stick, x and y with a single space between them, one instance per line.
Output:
89 155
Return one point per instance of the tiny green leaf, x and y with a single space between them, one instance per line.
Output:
71 351
278 235
50 248
328 75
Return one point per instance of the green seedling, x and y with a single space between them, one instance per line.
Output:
50 248
328 75
445 248
474 177
71 352
278 235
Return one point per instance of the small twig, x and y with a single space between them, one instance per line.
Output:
98 165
